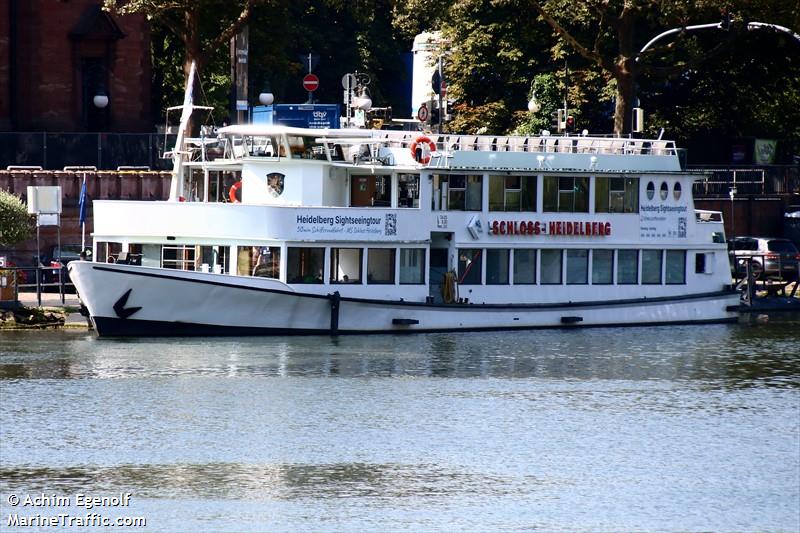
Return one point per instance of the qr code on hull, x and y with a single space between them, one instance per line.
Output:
682 227
391 224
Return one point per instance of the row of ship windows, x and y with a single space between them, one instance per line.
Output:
476 266
559 194
572 266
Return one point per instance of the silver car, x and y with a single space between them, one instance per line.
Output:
768 257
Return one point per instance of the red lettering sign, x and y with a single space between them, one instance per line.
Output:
554 227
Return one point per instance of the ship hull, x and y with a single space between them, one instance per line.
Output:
125 300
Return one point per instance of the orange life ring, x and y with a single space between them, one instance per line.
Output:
423 158
232 194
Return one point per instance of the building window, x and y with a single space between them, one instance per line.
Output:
616 195
346 265
464 193
412 266
524 266
602 267
178 257
261 261
627 267
512 193
469 266
675 267
566 195
496 267
380 265
408 190
304 265
577 267
551 267
651 267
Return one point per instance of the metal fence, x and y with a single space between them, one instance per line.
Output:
749 181
106 151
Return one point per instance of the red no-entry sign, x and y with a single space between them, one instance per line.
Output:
310 82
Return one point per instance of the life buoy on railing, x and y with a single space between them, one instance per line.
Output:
419 153
234 189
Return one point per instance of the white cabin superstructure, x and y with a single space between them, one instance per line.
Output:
288 230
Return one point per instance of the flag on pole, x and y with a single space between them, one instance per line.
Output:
82 202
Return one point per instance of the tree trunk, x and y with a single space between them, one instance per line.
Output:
194 52
625 97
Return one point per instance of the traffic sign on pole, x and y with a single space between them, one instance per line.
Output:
310 82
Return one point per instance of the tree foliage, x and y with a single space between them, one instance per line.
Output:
16 225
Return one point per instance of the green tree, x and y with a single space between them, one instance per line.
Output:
203 27
16 225
618 29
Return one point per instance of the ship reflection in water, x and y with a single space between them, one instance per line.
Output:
679 428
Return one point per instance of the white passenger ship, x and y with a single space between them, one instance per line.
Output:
276 230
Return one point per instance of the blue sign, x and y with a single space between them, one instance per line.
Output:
306 115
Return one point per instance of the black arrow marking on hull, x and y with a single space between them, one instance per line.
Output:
121 310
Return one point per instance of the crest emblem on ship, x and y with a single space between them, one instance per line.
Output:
275 183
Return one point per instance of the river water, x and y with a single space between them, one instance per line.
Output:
692 428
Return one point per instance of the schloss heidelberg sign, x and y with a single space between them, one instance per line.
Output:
530 227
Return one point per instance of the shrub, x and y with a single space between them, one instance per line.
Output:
16 225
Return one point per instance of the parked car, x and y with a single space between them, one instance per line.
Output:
768 257
60 258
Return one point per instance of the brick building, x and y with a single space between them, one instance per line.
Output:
57 55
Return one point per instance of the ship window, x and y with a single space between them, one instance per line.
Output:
524 266
469 266
108 252
675 267
551 267
651 190
627 267
408 190
346 265
262 146
703 263
651 267
496 267
304 147
412 266
577 267
178 257
304 265
676 191
602 267
616 195
464 192
566 194
261 261
512 193
380 265
664 190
